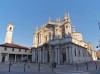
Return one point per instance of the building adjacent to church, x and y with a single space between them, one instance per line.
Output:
11 51
57 41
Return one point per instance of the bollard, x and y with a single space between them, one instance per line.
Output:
39 67
96 66
24 67
9 66
87 66
76 67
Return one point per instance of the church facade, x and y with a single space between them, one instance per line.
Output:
9 51
57 41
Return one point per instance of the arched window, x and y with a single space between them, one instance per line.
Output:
10 29
66 26
40 38
45 38
79 53
49 36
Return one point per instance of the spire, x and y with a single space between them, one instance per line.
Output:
68 15
57 19
36 28
65 16
49 20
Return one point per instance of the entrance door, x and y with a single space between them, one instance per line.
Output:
3 58
48 57
64 58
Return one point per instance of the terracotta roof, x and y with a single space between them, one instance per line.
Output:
14 45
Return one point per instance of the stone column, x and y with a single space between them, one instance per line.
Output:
70 55
67 55
58 56
15 57
22 58
39 55
33 55
50 53
43 54
0 57
27 56
46 54
41 38
8 57
51 36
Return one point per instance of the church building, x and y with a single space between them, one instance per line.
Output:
11 51
58 41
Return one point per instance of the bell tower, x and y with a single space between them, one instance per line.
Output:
9 33
67 24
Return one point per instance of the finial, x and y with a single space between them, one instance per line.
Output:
65 16
49 20
68 15
68 18
73 28
57 19
36 28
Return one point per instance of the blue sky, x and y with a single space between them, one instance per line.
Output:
27 14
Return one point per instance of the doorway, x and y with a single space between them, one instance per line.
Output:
3 58
48 57
64 58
